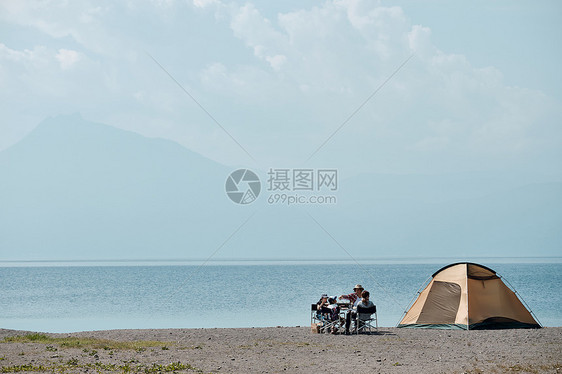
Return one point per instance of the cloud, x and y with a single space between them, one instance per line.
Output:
283 78
27 56
93 25
67 58
276 61
259 34
204 3
29 71
419 40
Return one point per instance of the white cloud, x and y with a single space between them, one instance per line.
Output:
67 58
308 68
276 61
85 22
419 40
36 56
204 3
258 33
240 83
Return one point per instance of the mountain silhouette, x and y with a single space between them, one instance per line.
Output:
77 190
80 190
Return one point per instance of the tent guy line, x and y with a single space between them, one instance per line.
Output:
202 107
359 107
179 288
354 260
520 298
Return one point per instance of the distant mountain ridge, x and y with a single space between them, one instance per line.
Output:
73 186
73 189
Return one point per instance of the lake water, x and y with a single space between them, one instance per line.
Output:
77 298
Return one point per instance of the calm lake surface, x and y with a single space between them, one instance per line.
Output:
78 298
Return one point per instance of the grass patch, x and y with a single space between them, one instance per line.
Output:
28 338
85 342
531 368
20 368
99 367
519 368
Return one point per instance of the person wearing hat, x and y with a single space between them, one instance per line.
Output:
328 308
353 298
322 304
334 312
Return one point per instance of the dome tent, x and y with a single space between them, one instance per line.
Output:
467 296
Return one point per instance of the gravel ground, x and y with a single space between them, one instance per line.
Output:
286 349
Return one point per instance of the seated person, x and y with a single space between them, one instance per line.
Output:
333 308
365 303
353 298
322 305
334 312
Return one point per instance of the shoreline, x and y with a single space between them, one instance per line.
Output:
283 349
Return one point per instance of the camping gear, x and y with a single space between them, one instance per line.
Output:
467 296
365 318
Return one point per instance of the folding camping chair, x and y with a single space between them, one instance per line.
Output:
365 318
314 317
323 319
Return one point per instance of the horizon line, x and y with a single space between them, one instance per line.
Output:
264 259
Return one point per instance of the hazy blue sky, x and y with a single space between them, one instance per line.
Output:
470 122
482 91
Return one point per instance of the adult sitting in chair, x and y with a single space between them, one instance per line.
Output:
365 308
322 305
353 298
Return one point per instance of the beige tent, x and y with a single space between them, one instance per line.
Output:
467 296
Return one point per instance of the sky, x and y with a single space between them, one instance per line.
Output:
403 87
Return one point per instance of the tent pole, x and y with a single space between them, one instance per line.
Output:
467 316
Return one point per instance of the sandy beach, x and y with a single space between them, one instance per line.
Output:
283 349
